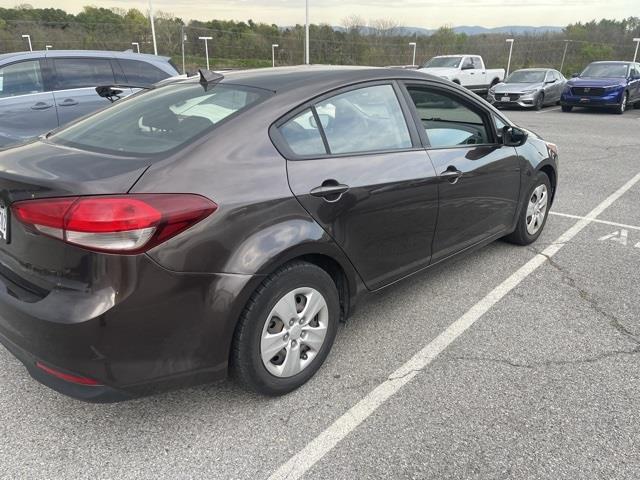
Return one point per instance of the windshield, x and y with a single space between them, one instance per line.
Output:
159 120
447 62
603 70
524 76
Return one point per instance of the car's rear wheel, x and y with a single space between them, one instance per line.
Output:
539 101
622 106
286 330
567 108
534 212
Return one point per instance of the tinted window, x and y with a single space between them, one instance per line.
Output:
468 63
364 120
82 72
302 135
20 79
447 121
159 120
141 73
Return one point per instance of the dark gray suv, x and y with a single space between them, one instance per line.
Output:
40 91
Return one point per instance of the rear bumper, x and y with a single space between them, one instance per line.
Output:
168 330
612 99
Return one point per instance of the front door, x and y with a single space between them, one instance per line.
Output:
363 176
479 178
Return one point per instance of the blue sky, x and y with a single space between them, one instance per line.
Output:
414 13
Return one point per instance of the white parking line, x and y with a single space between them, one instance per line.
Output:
301 462
555 109
605 222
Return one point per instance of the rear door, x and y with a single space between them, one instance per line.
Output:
479 178
357 167
75 81
27 109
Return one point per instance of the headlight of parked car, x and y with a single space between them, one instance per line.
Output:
533 90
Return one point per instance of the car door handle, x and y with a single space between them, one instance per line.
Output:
330 190
41 106
69 102
452 174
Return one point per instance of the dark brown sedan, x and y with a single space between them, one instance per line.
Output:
233 222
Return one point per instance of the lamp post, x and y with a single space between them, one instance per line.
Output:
137 45
564 54
306 33
153 29
635 55
47 47
28 37
273 54
413 44
510 42
206 47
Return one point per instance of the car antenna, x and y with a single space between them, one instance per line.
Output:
207 77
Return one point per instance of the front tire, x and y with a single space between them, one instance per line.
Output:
622 107
534 212
539 101
286 330
567 108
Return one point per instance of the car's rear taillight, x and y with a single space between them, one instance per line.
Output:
114 223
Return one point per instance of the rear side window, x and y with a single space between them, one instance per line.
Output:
160 120
447 121
142 73
364 120
20 79
82 72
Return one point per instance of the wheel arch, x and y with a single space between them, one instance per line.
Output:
550 172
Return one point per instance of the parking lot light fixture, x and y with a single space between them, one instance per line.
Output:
206 47
414 45
635 55
510 42
137 45
153 28
28 37
273 54
306 33
48 47
564 54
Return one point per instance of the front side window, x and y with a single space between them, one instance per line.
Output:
141 73
365 120
21 79
82 72
159 120
447 121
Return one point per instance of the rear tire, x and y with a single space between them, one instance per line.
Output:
286 293
534 212
567 108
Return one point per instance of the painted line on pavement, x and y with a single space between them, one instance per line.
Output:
604 222
316 449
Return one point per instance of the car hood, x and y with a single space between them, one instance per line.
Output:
516 87
596 82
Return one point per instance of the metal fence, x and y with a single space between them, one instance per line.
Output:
250 49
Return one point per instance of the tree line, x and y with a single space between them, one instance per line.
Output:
354 42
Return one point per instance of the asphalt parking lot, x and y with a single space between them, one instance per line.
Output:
525 366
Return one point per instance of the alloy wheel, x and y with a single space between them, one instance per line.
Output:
294 332
537 209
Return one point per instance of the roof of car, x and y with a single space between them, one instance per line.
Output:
80 53
621 62
537 69
288 78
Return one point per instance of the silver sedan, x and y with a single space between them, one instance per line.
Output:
529 88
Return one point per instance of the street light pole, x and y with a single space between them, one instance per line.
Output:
184 39
28 37
635 55
137 45
273 54
206 47
153 29
306 33
413 44
510 42
564 54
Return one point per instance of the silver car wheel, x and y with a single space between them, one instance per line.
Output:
537 209
294 332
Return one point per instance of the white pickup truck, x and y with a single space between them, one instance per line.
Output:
466 70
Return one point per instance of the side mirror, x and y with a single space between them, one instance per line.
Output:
574 75
549 81
513 136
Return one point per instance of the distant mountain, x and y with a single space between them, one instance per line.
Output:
469 30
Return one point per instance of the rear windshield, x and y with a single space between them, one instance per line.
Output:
160 120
